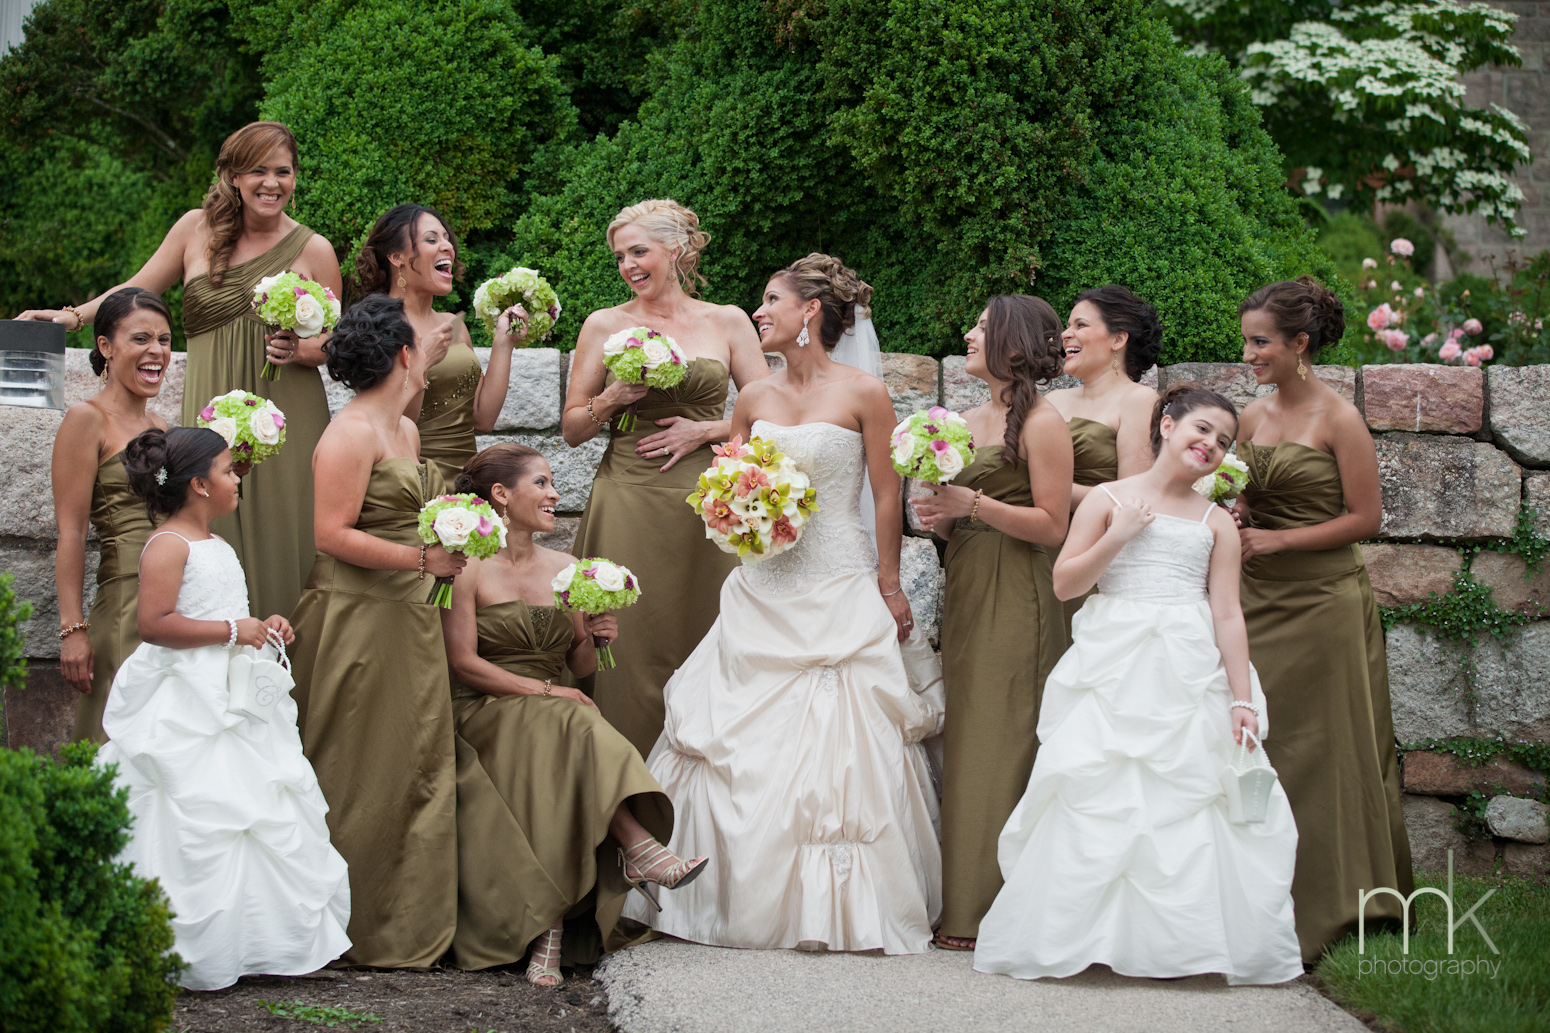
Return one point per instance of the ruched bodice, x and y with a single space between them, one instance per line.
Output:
206 306
1094 451
701 396
1168 562
1291 485
398 489
530 641
447 413
213 587
120 520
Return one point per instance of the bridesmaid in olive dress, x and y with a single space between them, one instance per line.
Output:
220 252
131 353
1111 339
555 809
411 254
636 513
1314 632
371 670
1002 627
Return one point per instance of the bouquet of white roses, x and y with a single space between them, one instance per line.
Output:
1227 483
460 523
643 356
753 499
595 586
254 427
932 445
304 307
519 286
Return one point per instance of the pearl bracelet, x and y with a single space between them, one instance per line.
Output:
974 510
593 415
1244 704
233 640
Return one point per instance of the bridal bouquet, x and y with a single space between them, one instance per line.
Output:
254 427
753 499
304 307
643 356
1227 483
596 586
460 523
932 445
519 286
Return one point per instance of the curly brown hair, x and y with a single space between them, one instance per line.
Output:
223 201
1022 348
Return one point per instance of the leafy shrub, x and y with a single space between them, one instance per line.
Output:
85 945
13 662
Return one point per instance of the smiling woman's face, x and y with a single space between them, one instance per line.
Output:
644 264
267 186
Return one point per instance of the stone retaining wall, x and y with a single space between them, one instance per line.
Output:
1459 449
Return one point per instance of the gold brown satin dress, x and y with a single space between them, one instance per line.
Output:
1317 642
122 525
376 723
272 530
1094 461
637 516
447 412
538 780
1002 632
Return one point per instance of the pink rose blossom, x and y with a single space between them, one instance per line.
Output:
1369 263
1395 285
1486 351
1419 292
1396 340
1449 351
1472 356
1402 247
1429 340
1472 327
1380 317
1456 333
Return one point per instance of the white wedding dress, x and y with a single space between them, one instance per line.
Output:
792 748
227 812
1121 851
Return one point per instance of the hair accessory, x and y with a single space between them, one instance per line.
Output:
1243 704
803 338
161 475
233 640
65 633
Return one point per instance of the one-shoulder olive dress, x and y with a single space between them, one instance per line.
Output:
637 516
271 530
538 780
376 723
1002 632
1094 461
447 412
1317 642
122 525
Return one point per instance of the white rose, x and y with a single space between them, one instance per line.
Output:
309 316
563 579
334 309
904 448
1205 485
236 393
953 417
262 287
656 353
608 577
261 423
453 525
615 344
226 427
950 463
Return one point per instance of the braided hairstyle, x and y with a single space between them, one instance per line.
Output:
1300 306
1022 348
1182 399
161 463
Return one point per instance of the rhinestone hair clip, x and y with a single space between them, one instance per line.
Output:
161 475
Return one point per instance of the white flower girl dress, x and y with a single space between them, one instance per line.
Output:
227 812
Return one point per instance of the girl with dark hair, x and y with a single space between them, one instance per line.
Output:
1002 626
554 805
412 254
227 815
371 670
220 251
132 349
1313 623
1122 851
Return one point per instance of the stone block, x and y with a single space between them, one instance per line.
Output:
1424 397
1536 495
911 381
1442 774
81 383
41 714
1403 574
924 583
1235 380
26 494
1511 587
574 468
1513 696
1517 819
31 562
1062 382
1341 378
1429 822
533 397
1526 861
959 390
1446 487
1519 417
563 537
1427 686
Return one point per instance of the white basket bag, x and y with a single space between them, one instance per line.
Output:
1247 780
257 682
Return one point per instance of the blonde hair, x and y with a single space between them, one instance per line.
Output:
223 201
838 290
673 226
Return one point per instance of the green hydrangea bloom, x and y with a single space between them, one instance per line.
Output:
254 427
932 445
460 523
519 286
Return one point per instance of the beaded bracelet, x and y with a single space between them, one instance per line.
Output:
233 640
65 633
593 415
974 509
79 322
1244 704
548 686
421 568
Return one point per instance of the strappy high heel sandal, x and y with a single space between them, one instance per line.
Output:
543 967
645 856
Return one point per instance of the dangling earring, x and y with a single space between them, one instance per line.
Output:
1302 371
802 337
104 374
402 283
1115 364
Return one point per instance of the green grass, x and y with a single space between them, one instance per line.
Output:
321 1014
1510 991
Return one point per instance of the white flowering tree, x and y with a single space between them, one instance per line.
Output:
1364 98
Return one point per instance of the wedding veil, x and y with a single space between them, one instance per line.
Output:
859 347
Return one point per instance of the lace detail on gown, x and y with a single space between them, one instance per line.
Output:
833 542
1168 562
214 588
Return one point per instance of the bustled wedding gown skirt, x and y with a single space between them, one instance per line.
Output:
1121 851
792 748
227 812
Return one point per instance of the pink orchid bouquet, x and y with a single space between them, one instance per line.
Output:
640 355
254 427
753 499
304 307
933 445
596 586
460 523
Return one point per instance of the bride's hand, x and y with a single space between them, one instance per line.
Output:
681 436
1242 719
899 608
946 502
1129 518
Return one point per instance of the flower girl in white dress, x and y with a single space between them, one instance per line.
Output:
227 812
1122 851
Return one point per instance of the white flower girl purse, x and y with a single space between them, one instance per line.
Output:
1247 780
257 682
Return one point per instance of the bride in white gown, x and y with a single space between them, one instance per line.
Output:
792 748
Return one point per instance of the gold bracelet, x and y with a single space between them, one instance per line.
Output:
593 415
974 509
79 321
65 633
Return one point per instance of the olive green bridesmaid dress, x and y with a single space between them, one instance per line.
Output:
272 530
637 516
1002 633
1317 642
447 412
1095 460
122 525
376 723
538 780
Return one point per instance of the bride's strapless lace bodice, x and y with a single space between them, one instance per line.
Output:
214 588
1168 562
833 542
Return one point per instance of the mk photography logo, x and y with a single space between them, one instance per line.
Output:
1430 968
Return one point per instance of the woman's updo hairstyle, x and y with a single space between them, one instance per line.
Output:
1125 313
673 226
1182 399
1300 306
114 308
504 463
367 341
393 232
243 150
160 463
1022 348
836 286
